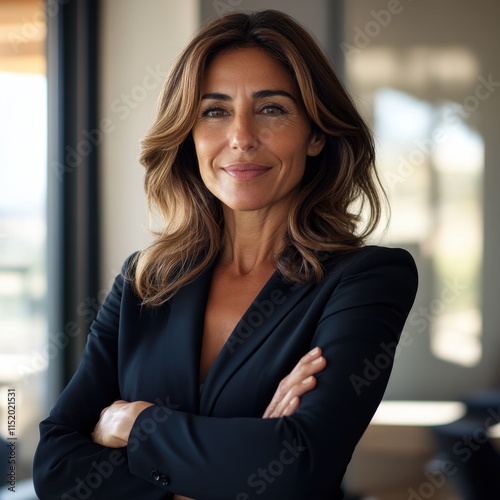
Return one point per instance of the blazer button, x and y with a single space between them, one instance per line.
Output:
164 480
155 475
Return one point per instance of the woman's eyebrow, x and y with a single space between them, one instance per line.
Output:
263 94
259 94
217 96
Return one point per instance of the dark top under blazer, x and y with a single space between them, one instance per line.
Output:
213 444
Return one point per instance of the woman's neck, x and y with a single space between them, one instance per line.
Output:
252 240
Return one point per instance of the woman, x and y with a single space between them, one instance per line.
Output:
228 361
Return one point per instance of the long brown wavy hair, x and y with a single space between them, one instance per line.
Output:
339 183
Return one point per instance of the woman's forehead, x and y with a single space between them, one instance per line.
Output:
251 67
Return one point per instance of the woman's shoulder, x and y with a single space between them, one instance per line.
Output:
128 266
375 252
124 279
371 258
376 273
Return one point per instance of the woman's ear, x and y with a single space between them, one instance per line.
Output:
316 143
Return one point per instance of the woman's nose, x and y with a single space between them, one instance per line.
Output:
244 134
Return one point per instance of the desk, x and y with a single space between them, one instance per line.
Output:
398 444
402 427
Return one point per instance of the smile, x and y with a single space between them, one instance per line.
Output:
245 171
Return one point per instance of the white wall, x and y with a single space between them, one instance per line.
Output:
311 14
139 41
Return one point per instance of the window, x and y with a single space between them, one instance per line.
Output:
432 164
426 96
23 138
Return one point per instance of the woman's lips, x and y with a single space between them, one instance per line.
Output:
246 171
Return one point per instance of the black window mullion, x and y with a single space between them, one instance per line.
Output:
73 246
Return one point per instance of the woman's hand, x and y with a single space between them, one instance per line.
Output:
115 423
300 380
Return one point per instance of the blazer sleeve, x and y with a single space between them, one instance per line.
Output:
67 464
212 458
304 455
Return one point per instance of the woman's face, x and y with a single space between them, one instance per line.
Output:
252 134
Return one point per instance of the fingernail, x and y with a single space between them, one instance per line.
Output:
307 380
315 351
294 401
317 361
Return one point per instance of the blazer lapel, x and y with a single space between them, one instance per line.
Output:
185 330
273 302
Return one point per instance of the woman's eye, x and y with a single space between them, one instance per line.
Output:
214 113
273 110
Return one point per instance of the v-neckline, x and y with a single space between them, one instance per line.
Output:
273 278
185 329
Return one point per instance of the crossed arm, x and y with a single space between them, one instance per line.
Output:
320 426
116 421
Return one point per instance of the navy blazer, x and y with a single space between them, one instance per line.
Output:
211 443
